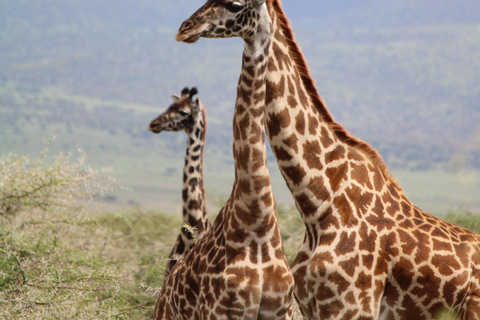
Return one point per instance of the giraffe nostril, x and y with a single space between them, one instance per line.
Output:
186 25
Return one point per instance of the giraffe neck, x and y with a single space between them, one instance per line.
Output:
193 192
252 193
311 149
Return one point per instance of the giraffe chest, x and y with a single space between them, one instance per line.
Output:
417 272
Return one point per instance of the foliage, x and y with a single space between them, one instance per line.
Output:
82 265
292 230
60 260
27 184
41 277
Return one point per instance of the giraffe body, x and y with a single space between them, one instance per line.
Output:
368 252
186 114
238 270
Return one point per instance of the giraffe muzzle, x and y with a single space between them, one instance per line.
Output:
184 33
186 26
154 127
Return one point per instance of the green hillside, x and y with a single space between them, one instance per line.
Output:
398 75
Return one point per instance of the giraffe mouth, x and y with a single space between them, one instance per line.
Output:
155 128
187 38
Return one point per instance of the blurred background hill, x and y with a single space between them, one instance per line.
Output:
403 76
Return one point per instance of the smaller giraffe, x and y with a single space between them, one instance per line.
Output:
186 114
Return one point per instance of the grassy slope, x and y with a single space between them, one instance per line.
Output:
82 266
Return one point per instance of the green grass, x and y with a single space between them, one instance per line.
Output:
464 218
292 230
83 265
438 191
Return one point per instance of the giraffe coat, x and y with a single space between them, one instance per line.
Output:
188 115
238 270
368 251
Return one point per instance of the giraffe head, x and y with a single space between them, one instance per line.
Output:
221 19
181 115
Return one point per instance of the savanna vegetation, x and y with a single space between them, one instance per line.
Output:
63 257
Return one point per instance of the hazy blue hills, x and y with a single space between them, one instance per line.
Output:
383 13
403 76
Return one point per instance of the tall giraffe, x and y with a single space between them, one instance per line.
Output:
187 114
368 252
238 270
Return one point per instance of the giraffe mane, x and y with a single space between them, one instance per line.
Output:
204 116
205 125
318 102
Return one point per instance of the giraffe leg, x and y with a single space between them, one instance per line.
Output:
177 251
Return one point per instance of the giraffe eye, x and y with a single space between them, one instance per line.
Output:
183 113
233 6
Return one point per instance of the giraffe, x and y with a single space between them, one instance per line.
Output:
187 114
238 270
368 252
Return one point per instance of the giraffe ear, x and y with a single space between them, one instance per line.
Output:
175 98
257 3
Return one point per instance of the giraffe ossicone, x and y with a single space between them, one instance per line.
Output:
368 252
238 270
189 115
